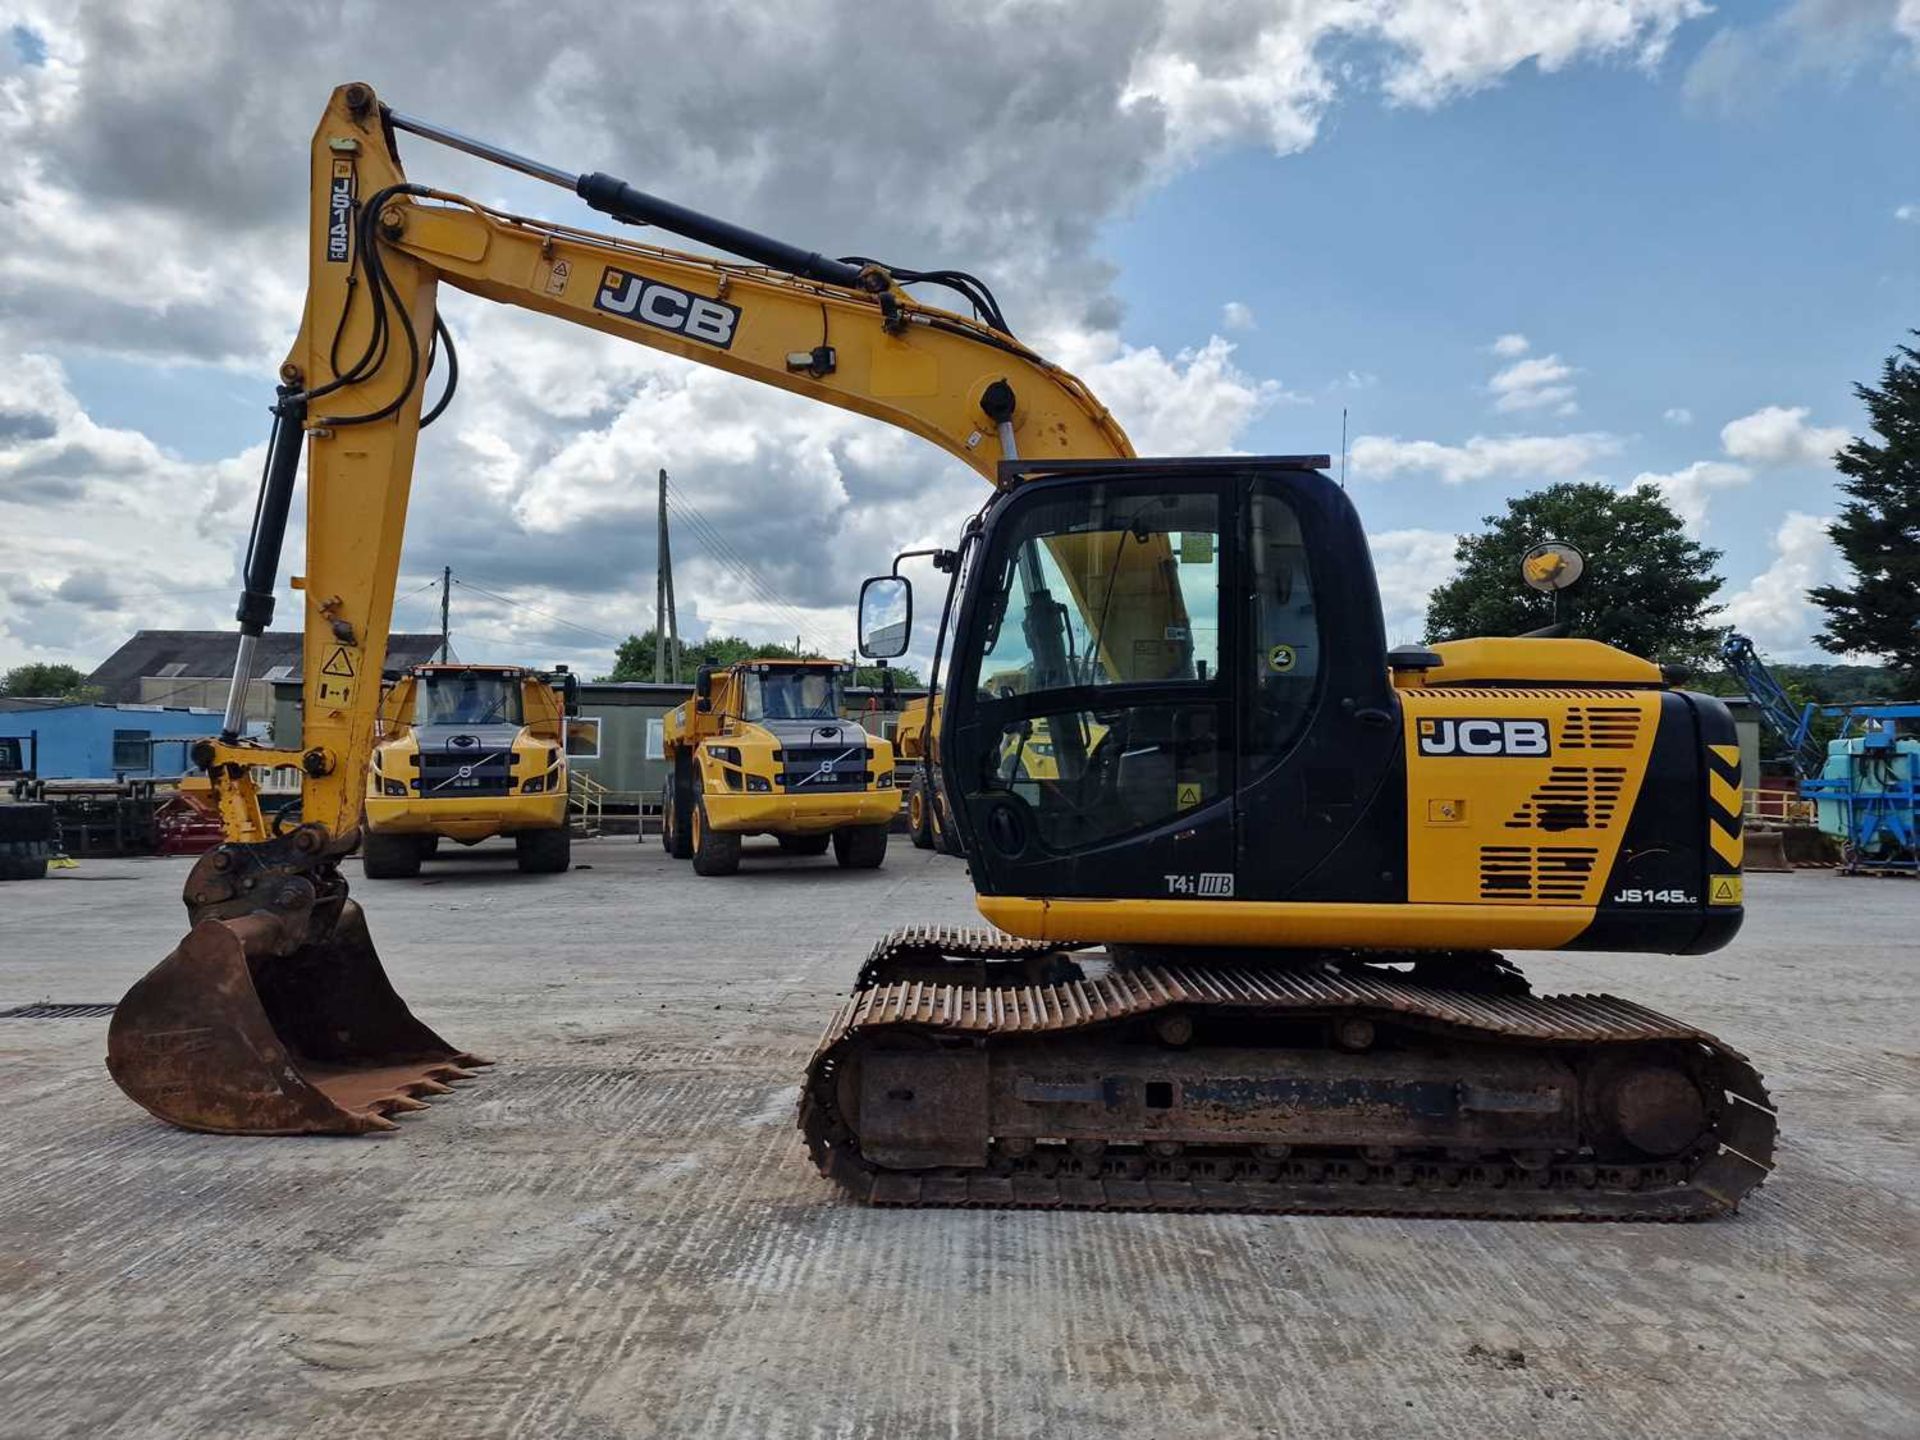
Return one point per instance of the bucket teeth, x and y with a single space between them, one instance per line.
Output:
451 1072
403 1104
426 1086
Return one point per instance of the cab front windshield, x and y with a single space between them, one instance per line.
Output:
467 698
793 695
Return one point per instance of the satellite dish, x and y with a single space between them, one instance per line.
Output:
1552 566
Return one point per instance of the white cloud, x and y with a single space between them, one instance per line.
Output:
1773 607
1534 383
118 182
1678 415
1510 345
1690 490
1743 65
1779 435
1909 213
1408 564
1236 316
1521 457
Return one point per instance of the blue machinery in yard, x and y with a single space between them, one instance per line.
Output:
1865 783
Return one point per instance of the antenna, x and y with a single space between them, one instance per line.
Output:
1343 447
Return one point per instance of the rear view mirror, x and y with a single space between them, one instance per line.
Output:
886 616
703 689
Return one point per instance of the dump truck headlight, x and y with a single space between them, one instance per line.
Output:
885 782
759 783
393 787
727 754
535 784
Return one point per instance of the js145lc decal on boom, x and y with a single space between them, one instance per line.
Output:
1248 871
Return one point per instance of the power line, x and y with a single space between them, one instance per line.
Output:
534 610
719 549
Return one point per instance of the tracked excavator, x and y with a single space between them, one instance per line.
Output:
1248 872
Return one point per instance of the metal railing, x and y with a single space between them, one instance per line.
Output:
586 804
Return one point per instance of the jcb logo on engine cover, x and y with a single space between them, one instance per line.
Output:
634 297
1484 737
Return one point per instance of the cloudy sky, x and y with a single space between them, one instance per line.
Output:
1516 240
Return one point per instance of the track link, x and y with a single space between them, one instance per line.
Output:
992 1007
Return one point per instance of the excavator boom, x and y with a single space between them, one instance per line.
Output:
275 1015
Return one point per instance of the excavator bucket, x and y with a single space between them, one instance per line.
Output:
277 1021
1766 852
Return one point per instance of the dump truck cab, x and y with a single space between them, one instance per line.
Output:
468 752
761 748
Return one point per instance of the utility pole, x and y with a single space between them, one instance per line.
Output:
446 599
666 625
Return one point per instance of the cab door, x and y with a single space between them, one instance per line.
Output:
1091 737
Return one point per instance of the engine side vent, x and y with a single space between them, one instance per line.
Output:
1574 797
1601 727
1556 874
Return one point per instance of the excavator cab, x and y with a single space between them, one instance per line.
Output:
1196 647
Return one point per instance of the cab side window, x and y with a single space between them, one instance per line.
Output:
1284 630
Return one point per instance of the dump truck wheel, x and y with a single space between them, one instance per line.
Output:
805 844
860 847
389 857
944 838
544 852
919 815
714 853
428 845
676 821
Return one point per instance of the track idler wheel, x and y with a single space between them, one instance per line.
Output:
274 1016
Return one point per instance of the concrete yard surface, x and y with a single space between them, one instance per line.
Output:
617 1231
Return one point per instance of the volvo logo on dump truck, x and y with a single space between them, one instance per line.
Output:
1484 737
634 297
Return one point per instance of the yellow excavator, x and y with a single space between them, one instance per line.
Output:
1248 871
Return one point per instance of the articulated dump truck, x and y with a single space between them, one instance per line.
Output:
761 749
469 752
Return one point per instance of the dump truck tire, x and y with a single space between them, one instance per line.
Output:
714 853
544 852
919 814
389 857
429 845
860 847
676 815
804 844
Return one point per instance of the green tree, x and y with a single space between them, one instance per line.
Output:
1647 589
1878 530
58 681
634 659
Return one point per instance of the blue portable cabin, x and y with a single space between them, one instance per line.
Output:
106 742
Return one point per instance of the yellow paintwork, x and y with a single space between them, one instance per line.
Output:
787 813
1264 923
908 373
470 817
1459 805
1518 658
477 818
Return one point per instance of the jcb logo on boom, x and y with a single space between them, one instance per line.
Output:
1484 737
634 297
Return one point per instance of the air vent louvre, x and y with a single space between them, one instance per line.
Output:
1601 727
1574 797
1553 873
